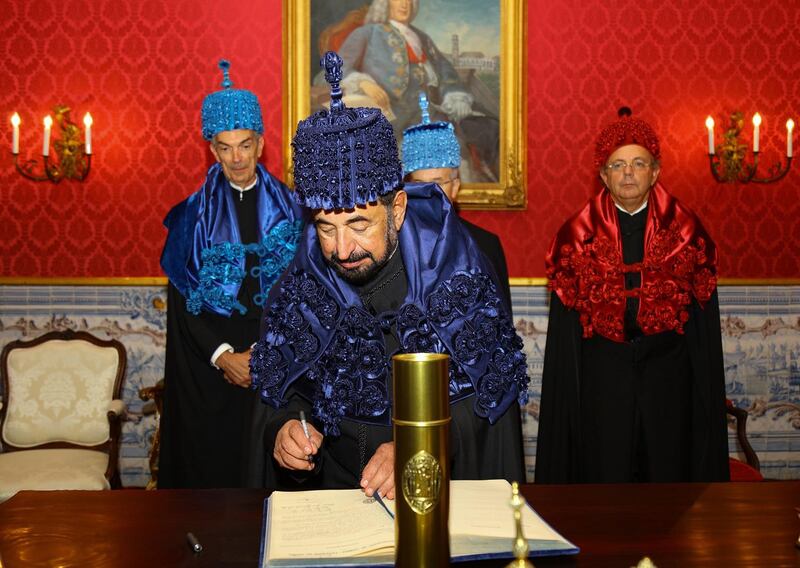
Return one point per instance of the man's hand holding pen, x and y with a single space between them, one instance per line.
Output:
294 449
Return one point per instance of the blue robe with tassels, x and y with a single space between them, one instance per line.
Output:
223 253
324 350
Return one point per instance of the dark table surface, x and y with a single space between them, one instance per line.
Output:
720 524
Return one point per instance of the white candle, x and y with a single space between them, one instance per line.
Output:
710 126
789 129
756 124
87 122
48 122
15 137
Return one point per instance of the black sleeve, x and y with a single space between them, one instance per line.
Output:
491 247
558 438
481 450
499 261
261 468
201 331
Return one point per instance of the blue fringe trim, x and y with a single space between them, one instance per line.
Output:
221 267
350 378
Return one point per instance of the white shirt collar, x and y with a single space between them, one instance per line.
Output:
626 211
409 35
243 189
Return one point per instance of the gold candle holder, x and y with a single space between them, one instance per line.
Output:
73 155
728 160
421 417
520 547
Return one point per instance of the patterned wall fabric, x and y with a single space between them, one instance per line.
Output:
142 69
761 341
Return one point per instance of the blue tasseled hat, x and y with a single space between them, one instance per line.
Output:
429 144
343 157
230 109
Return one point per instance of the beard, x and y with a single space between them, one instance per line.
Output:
363 274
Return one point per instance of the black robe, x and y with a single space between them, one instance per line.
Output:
491 247
205 418
649 409
479 450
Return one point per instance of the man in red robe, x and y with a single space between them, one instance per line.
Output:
633 387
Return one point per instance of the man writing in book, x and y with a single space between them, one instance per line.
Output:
383 269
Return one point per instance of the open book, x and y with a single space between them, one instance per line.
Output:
345 528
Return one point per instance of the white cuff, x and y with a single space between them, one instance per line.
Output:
220 350
457 105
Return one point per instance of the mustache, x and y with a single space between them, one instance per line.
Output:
354 257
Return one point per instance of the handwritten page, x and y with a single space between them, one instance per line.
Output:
328 524
477 508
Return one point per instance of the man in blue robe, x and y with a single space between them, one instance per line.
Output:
383 269
431 154
227 243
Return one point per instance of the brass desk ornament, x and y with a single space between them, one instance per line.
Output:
520 547
421 417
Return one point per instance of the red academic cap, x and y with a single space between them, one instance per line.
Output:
626 130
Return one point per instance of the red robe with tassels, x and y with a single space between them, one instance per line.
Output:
641 399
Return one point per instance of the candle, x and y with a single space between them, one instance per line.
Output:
789 128
756 124
87 122
48 122
15 138
710 126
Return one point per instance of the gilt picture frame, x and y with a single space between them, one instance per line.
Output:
469 51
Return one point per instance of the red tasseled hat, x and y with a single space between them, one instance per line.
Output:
625 131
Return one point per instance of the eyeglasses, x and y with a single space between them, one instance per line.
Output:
637 165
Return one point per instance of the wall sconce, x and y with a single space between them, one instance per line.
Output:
728 159
74 155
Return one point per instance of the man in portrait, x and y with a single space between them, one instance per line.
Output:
388 61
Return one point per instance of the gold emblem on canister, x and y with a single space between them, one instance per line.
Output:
422 482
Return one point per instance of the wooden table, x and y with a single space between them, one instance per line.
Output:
725 524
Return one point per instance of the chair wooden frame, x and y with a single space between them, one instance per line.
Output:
741 435
155 394
110 446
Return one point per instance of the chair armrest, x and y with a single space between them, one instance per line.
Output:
741 415
117 407
149 408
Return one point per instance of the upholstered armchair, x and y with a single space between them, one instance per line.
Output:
61 418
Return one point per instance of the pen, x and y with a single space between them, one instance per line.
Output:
377 497
304 424
194 544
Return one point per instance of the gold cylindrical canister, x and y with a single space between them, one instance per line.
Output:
421 416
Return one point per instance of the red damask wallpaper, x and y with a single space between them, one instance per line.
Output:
142 69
